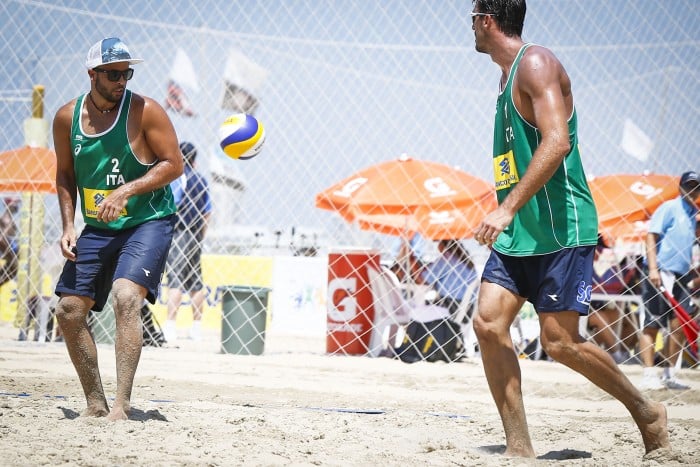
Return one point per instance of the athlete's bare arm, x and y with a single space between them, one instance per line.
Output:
66 188
153 137
539 93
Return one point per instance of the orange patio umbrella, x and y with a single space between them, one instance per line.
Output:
28 169
625 202
407 195
433 225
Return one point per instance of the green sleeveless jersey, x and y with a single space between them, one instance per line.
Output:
105 161
561 214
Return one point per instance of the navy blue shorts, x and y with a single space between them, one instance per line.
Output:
559 281
657 310
184 270
137 254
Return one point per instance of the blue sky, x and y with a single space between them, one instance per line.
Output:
352 83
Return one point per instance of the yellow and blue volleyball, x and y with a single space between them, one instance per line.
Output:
241 136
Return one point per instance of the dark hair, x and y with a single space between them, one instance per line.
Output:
509 14
189 152
456 249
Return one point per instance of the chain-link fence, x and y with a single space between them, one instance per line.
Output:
340 86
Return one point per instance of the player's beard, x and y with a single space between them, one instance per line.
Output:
108 95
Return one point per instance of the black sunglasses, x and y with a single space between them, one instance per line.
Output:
116 75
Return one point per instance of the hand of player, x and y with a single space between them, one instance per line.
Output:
493 224
68 246
112 206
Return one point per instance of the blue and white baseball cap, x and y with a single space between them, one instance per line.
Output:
109 50
690 178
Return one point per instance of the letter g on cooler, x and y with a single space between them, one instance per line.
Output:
344 309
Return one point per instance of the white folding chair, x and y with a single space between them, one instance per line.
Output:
391 309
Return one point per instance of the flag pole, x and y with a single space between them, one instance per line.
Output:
36 134
662 113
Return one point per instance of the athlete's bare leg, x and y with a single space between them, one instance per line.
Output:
71 313
128 299
498 308
561 341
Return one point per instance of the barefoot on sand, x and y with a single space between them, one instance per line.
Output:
94 412
197 406
655 435
118 413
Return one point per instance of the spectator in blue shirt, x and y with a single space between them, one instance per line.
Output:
669 244
191 193
450 275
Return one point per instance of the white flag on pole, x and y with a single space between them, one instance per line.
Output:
243 80
182 81
182 72
635 142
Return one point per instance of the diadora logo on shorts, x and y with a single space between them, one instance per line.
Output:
505 171
583 294
553 297
147 272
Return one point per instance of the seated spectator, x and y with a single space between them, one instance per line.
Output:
632 268
406 254
408 270
450 275
606 317
403 247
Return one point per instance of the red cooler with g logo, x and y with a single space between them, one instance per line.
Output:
350 301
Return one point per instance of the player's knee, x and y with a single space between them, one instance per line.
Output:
558 347
69 313
126 300
485 330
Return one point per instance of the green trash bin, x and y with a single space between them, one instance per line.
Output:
243 319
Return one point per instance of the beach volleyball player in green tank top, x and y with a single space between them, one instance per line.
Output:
116 152
544 231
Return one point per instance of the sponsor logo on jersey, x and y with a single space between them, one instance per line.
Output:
93 198
505 171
